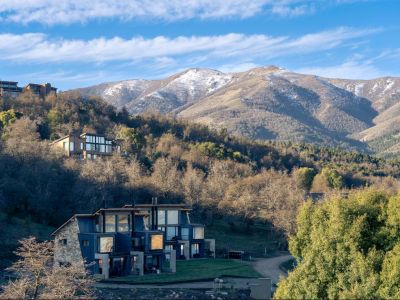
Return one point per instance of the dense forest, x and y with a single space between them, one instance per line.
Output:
346 249
220 175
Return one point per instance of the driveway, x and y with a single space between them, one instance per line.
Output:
269 267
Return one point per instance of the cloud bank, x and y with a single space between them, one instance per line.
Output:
53 12
40 48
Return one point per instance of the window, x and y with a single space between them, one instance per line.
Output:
89 156
169 247
185 233
161 217
94 156
110 223
81 146
157 241
198 233
123 223
172 217
88 147
85 243
101 140
108 149
65 146
71 146
63 242
88 140
103 148
195 249
106 244
171 232
100 263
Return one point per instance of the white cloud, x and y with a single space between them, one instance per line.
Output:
37 47
352 69
76 11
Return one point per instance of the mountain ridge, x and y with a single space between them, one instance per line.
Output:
271 103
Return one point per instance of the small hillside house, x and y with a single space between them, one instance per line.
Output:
131 240
87 145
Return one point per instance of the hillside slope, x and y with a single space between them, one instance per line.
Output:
272 103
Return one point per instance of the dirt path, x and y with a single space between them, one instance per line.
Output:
269 267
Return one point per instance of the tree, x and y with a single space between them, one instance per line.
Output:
39 279
304 177
346 248
133 139
327 179
7 117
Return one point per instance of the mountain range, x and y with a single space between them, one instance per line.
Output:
272 103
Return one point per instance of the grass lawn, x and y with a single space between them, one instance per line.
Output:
253 241
195 270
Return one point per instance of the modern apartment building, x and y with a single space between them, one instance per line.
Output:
87 145
132 240
42 90
9 88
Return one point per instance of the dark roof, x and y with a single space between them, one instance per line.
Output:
162 205
70 220
8 82
126 208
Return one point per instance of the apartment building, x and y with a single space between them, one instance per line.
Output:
42 90
9 88
131 240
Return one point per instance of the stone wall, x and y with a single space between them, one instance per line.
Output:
71 252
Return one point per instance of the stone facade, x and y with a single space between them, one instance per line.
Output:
66 245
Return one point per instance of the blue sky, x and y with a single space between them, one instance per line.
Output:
76 43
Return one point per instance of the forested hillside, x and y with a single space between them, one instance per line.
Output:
222 176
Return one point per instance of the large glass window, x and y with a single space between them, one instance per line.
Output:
198 233
185 233
103 148
71 146
172 232
101 140
110 223
108 149
123 223
161 217
173 217
106 244
88 138
88 147
157 241
195 249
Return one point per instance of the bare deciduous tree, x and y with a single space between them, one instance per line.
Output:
37 278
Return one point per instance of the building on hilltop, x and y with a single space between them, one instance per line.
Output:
87 145
42 90
132 240
9 88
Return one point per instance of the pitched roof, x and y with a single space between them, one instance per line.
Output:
70 220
